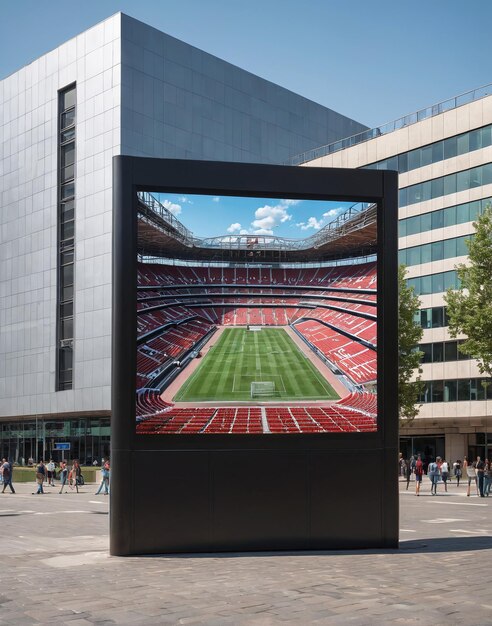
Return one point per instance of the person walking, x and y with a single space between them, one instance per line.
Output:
471 474
104 480
40 476
50 469
445 473
7 470
480 467
487 478
433 474
457 471
419 470
408 471
75 475
63 475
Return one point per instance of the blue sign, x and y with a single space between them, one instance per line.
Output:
62 446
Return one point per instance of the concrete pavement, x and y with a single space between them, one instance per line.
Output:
55 569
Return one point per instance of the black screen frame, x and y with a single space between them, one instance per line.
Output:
134 174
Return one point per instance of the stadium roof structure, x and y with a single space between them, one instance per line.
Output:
160 234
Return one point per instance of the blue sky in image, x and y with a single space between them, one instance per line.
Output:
373 61
210 216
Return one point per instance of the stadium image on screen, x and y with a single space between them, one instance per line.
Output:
250 332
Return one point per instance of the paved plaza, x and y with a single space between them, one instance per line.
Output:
55 569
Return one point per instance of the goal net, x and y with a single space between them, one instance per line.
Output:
262 388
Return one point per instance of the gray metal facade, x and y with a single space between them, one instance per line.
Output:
140 92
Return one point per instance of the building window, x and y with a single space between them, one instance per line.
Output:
436 152
434 283
66 237
437 251
462 390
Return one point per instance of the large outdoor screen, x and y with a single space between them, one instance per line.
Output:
255 315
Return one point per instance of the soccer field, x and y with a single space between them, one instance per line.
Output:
242 357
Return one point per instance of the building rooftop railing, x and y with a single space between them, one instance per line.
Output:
402 122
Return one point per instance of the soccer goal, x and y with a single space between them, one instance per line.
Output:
262 388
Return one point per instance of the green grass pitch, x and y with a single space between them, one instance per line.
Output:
241 357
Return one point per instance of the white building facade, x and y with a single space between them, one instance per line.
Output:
444 156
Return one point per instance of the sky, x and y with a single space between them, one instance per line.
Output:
372 60
233 216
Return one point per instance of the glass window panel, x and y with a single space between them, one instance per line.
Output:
487 174
451 351
67 230
67 135
414 194
68 99
415 283
450 147
426 349
67 119
475 140
437 187
414 159
426 318
426 190
66 257
392 163
437 317
450 216
413 225
475 177
437 283
402 257
413 255
402 228
450 280
425 253
403 197
449 248
66 328
67 173
437 251
461 355
449 184
446 318
66 310
426 156
464 389
437 152
67 154
463 144
67 191
438 352
426 395
462 213
67 293
66 275
461 247
403 163
486 136
450 388
65 358
463 181
437 391
437 219
425 284
475 210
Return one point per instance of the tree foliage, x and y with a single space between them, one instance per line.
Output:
409 335
470 306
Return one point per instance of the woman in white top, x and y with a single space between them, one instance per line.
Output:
471 473
445 474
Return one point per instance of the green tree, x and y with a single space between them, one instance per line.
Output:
409 335
470 306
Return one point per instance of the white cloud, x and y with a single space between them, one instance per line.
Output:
290 202
243 231
234 228
263 231
268 217
332 212
216 199
312 222
185 200
175 209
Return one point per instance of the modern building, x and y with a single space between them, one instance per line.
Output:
444 157
122 87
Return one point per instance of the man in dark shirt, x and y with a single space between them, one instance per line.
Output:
7 475
480 467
